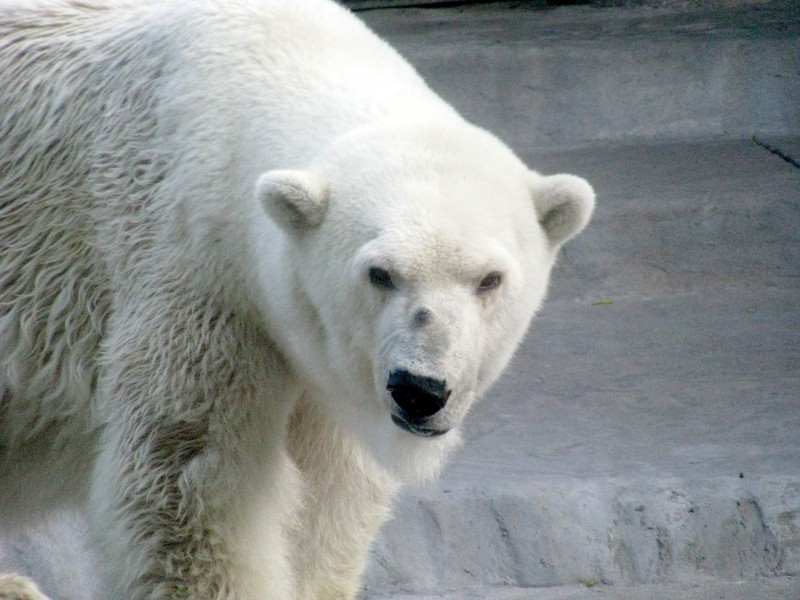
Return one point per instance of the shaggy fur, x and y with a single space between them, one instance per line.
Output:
203 366
14 587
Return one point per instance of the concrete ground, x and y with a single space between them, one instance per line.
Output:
648 431
645 443
771 589
646 440
765 589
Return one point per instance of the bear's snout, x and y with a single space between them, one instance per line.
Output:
419 398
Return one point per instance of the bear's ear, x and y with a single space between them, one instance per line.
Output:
564 204
295 200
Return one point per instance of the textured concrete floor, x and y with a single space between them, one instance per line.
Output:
649 428
648 432
763 589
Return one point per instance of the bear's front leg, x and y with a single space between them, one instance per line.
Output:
347 500
193 489
16 587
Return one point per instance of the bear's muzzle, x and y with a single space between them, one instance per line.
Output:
418 398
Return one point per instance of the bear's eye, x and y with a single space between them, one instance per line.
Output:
380 278
491 281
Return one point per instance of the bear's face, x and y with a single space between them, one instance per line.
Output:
421 252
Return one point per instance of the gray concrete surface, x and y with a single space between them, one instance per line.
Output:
647 436
583 74
674 5
648 433
765 589
649 429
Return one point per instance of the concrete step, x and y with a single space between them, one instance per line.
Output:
675 217
586 74
785 588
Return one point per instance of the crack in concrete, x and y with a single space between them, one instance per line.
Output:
776 151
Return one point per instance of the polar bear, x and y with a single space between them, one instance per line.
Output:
254 272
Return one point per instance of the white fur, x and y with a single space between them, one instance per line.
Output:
15 587
192 195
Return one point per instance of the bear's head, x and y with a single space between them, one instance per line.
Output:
418 255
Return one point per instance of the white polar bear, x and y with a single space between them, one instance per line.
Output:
253 273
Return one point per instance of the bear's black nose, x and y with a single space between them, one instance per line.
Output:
419 397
